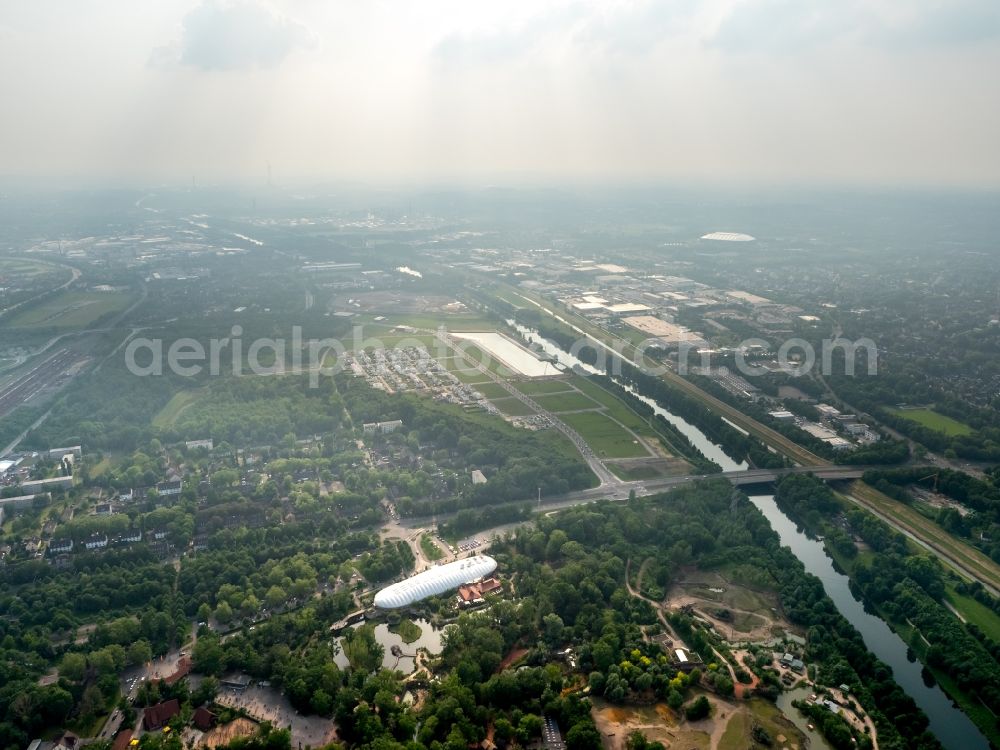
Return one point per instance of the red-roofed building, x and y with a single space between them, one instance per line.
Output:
474 593
121 740
203 719
183 669
157 716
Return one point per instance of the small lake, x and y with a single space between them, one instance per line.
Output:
784 702
430 639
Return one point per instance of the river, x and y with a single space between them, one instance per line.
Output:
698 438
952 727
955 730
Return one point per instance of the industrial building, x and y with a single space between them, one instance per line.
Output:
435 581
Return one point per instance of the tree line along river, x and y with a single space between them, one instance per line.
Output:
952 727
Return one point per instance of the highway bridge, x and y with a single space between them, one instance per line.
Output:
619 491
757 476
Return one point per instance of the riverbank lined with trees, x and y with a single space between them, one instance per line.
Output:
907 589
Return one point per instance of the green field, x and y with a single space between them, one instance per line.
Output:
424 341
934 421
71 310
173 408
571 401
605 436
492 390
429 321
980 615
471 377
617 408
430 549
541 387
29 268
512 407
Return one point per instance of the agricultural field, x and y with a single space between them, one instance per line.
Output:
604 435
934 421
70 310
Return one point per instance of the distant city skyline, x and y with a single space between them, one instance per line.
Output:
832 92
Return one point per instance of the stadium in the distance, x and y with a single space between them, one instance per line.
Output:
435 581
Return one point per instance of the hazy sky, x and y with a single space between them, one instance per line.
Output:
855 91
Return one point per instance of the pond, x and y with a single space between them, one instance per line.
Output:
430 639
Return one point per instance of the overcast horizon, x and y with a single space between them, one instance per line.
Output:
774 92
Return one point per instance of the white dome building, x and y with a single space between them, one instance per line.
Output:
437 580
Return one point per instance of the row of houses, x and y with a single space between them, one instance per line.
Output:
383 427
170 488
101 541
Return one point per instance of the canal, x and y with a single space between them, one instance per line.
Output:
952 727
955 730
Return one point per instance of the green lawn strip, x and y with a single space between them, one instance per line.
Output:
173 408
929 532
71 310
978 614
431 343
512 407
492 390
542 387
633 473
571 401
430 549
968 703
605 436
932 420
430 321
471 377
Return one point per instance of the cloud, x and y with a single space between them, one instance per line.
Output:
786 26
795 26
953 23
635 28
505 43
236 35
591 29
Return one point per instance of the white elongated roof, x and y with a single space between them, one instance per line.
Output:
437 580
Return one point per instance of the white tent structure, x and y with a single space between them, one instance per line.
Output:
437 580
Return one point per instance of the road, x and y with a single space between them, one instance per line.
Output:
606 477
620 491
76 273
597 336
963 558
